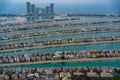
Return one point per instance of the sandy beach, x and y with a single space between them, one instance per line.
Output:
59 45
58 61
56 35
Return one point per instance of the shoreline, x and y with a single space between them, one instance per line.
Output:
58 35
66 25
60 61
29 48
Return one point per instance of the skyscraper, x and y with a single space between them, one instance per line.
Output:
33 9
28 8
52 9
36 10
47 10
43 11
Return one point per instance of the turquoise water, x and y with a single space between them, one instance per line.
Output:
85 35
82 19
63 28
115 63
104 46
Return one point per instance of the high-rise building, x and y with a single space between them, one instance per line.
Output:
36 10
33 9
28 8
52 9
43 11
47 10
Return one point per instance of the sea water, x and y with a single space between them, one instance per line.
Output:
114 63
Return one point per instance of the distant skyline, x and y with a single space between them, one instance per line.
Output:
64 6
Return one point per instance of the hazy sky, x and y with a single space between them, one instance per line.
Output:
58 1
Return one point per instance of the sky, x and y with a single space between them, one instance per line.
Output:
58 1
